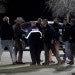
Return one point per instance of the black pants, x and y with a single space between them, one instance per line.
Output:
72 48
18 50
47 48
35 53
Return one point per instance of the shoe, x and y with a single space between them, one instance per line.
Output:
38 64
45 63
32 64
51 61
71 63
63 61
20 63
14 63
41 60
60 62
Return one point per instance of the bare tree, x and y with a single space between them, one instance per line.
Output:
62 7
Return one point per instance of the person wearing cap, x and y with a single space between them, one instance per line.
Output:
7 38
18 39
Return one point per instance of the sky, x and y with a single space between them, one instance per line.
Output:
29 9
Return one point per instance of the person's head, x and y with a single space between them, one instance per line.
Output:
44 22
72 22
19 20
6 19
65 21
56 20
39 20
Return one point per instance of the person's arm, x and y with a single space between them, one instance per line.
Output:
26 25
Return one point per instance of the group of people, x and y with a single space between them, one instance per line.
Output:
39 35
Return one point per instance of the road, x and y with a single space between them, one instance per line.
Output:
6 67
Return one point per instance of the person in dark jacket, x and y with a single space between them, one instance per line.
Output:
66 39
72 41
48 37
34 37
56 27
18 39
38 23
7 35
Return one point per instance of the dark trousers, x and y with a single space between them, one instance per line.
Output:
18 50
64 56
35 53
47 48
72 47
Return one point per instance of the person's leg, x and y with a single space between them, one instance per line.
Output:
16 52
57 47
56 52
68 50
32 53
20 54
37 54
47 57
2 46
50 57
37 58
12 52
33 57
72 48
64 56
46 54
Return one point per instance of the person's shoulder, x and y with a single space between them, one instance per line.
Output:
14 26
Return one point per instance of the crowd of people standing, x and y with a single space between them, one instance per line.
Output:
39 35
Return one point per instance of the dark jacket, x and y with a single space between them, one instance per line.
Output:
66 32
33 30
39 26
35 37
56 30
17 32
6 31
48 34
72 33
